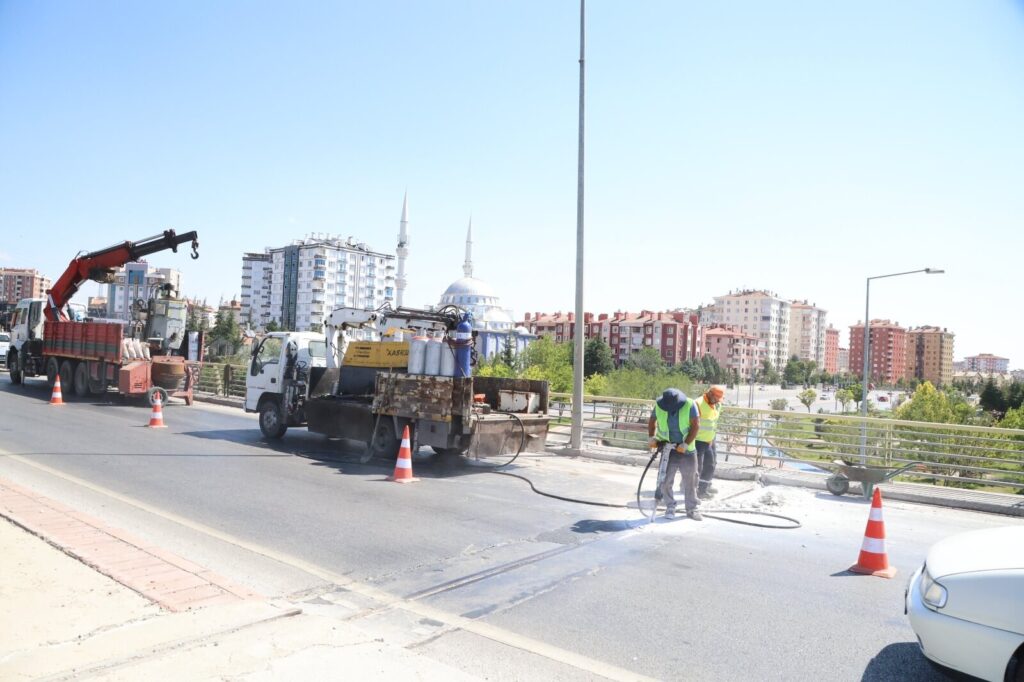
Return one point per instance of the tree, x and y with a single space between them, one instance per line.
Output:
794 371
779 404
508 353
272 326
808 367
597 358
648 360
226 328
992 399
192 318
844 397
769 374
807 397
856 392
1014 395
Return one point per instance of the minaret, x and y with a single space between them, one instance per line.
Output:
467 267
403 252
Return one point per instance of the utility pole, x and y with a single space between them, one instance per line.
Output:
576 434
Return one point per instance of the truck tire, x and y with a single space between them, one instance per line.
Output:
384 442
13 369
272 422
67 375
151 396
52 367
82 379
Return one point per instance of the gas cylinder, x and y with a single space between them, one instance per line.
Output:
433 361
417 354
464 347
447 358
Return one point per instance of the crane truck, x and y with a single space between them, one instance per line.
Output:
369 391
148 355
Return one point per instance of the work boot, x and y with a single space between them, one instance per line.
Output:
670 513
704 495
695 515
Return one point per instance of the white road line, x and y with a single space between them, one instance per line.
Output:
476 627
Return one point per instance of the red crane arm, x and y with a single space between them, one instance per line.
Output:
99 266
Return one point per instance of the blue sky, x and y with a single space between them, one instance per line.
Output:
793 146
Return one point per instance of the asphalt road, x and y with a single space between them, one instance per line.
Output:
672 600
761 397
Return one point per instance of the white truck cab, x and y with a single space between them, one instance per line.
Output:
278 376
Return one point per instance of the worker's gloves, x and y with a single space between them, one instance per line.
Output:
652 444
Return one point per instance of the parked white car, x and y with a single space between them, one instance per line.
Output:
966 603
5 344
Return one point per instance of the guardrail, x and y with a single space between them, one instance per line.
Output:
222 379
952 454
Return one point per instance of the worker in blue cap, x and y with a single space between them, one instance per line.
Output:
674 424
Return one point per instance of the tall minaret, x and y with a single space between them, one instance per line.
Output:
403 252
467 267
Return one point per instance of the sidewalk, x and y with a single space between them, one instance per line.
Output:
740 470
63 619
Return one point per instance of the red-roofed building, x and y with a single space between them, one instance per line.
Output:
734 349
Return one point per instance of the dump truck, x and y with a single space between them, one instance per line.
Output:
362 389
151 354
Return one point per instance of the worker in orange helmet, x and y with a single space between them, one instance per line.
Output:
710 407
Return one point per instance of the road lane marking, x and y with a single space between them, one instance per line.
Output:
388 600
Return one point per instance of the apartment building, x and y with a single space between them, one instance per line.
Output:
735 350
930 355
758 313
831 361
888 351
986 363
843 360
312 276
677 335
19 283
138 281
257 277
807 332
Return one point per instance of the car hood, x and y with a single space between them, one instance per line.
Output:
992 549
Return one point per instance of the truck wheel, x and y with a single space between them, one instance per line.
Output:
384 443
272 422
52 367
155 390
13 369
82 379
67 375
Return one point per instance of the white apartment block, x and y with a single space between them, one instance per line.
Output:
757 313
257 274
311 277
138 281
807 332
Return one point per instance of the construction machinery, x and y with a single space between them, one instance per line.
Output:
361 381
150 353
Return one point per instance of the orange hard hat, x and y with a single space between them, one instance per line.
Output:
716 391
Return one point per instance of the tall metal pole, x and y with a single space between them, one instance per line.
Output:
864 377
576 434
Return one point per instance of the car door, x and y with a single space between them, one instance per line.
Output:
264 374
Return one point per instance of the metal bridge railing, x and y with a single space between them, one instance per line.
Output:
952 455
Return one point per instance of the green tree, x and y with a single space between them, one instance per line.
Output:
1014 395
648 360
226 328
192 318
596 384
844 397
273 326
807 397
508 353
992 399
597 358
808 367
769 374
794 371
779 404
856 392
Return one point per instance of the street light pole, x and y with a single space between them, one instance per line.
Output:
864 377
576 432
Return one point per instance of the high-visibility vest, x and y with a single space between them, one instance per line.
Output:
683 417
708 420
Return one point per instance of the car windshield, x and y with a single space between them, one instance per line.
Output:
317 349
4 337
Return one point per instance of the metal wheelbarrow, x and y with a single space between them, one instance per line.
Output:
868 476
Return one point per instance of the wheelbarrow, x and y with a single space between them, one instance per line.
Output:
868 476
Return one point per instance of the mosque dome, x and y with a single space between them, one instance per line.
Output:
477 296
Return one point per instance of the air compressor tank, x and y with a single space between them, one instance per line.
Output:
447 358
417 354
464 347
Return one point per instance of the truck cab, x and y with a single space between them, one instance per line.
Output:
284 367
26 332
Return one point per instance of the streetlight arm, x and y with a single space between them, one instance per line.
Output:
930 271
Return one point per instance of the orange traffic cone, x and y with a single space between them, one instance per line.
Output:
56 398
873 559
403 467
156 420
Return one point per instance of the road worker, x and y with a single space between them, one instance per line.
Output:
672 429
710 407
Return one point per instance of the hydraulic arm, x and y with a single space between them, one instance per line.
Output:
99 266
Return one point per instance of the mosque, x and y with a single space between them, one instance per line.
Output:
493 325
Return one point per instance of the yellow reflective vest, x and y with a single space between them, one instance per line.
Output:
708 420
661 422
